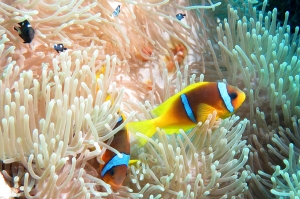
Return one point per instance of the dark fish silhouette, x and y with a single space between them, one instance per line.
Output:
26 32
180 16
59 47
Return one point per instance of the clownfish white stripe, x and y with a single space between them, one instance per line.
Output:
188 108
115 161
225 97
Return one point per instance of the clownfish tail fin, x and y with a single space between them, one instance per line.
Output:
146 128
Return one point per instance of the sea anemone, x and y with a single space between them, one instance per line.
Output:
58 115
286 181
53 121
262 57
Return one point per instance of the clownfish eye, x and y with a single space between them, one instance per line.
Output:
111 172
233 96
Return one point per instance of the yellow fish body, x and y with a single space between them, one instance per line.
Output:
192 105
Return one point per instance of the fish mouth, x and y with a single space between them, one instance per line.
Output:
115 187
243 96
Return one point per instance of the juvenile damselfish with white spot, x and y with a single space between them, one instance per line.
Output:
59 47
26 32
192 105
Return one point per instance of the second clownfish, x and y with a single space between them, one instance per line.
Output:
114 171
192 105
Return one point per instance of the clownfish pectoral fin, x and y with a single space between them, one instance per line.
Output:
146 127
203 110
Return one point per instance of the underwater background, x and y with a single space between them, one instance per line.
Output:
88 61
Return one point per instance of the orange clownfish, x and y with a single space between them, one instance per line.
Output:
114 171
192 105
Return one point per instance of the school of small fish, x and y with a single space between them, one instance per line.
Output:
183 110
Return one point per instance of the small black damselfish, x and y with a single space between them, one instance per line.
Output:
26 32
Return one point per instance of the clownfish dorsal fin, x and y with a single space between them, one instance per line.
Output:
203 110
193 86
